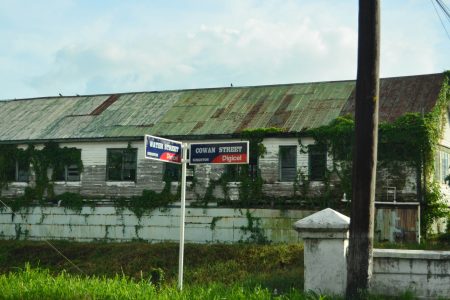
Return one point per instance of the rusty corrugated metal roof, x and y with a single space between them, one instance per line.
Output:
399 95
206 112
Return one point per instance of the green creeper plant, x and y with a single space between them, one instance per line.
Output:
411 140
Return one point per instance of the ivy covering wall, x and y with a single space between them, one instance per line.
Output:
410 141
50 157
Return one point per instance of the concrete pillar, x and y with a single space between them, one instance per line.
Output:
325 236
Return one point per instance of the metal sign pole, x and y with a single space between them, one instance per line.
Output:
170 151
182 214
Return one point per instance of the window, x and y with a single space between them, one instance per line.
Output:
172 172
190 172
288 163
253 167
444 165
234 172
317 162
66 169
68 173
121 164
18 170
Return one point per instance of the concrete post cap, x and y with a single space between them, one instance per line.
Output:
327 220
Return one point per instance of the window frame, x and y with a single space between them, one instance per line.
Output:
233 171
190 172
316 151
442 169
282 177
122 151
65 176
17 177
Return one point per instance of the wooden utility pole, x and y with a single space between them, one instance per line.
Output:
359 264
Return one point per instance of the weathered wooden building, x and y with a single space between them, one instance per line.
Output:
102 127
108 132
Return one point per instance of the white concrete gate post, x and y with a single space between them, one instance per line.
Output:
325 236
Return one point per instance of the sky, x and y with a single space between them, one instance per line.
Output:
84 47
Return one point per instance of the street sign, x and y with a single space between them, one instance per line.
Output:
176 152
219 153
157 148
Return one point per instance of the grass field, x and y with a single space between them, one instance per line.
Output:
33 270
39 284
277 267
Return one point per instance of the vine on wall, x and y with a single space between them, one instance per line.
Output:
55 158
254 230
249 181
50 157
250 185
9 154
148 201
409 141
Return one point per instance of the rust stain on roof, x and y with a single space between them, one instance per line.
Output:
218 113
399 95
198 125
249 116
282 114
102 107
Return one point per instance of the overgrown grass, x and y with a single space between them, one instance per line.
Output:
39 284
33 284
33 270
270 266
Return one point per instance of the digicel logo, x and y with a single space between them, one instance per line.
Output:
167 156
230 158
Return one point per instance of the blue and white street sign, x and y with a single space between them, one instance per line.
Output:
162 149
219 153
